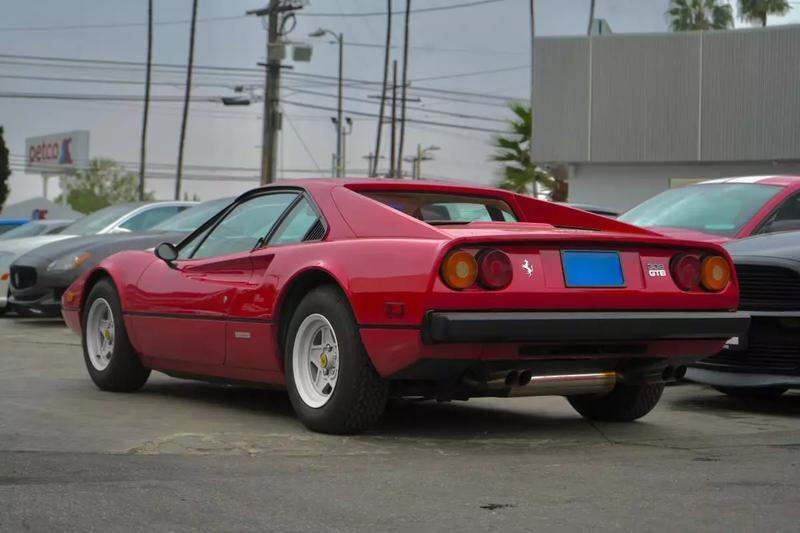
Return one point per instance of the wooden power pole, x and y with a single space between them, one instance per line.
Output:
272 116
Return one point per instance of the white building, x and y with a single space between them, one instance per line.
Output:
633 115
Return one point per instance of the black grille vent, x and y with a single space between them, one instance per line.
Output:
316 232
760 357
768 288
22 277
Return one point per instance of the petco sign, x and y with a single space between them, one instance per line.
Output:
57 152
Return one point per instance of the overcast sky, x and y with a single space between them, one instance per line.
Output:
491 37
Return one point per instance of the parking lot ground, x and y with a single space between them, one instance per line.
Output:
182 455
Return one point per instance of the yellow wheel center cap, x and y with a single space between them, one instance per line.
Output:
107 335
323 360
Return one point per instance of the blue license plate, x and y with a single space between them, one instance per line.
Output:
592 269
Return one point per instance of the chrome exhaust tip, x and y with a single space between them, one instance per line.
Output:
526 384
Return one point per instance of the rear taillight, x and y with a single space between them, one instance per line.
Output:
459 270
715 273
494 270
686 272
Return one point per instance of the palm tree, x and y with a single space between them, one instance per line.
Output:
687 15
757 10
520 174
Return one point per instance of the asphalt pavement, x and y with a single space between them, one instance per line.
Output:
189 456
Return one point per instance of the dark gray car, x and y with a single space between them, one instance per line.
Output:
41 276
766 361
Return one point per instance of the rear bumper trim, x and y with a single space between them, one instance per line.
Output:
582 326
721 378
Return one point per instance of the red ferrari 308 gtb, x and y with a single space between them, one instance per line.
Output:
351 292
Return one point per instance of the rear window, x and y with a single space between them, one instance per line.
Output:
441 209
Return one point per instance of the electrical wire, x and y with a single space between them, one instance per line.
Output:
300 138
116 25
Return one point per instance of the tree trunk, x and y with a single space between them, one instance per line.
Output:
560 191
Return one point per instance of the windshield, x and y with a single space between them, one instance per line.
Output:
91 224
193 218
719 208
442 208
30 229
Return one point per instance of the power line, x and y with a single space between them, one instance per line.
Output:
475 73
244 71
419 10
302 141
413 108
410 120
113 25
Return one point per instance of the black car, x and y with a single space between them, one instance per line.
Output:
51 268
765 362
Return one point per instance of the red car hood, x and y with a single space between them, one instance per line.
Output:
690 234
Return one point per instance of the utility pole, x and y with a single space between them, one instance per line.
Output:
533 81
179 175
423 154
372 162
405 86
143 149
393 163
272 118
345 132
373 169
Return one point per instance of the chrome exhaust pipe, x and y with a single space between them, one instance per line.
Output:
554 385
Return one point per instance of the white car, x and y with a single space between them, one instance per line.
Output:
119 218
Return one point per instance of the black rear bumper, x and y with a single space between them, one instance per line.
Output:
457 326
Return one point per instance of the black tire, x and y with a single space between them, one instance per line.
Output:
359 398
763 393
625 403
125 372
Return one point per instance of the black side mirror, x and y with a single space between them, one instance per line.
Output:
167 252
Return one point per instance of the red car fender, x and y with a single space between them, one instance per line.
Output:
124 269
371 272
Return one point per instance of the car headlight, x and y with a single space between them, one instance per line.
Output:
69 262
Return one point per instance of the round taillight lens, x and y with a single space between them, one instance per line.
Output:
686 272
494 270
459 270
715 273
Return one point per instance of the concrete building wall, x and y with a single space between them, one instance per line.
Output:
668 98
645 98
751 95
563 65
623 186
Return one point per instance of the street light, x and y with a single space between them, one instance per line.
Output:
423 154
321 32
344 133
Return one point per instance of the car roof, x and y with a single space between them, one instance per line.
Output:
783 181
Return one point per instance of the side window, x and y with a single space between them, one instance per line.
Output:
296 225
242 228
786 217
149 218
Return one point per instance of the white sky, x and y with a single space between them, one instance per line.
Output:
489 37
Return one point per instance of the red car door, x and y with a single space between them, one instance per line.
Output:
250 330
186 304
187 307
